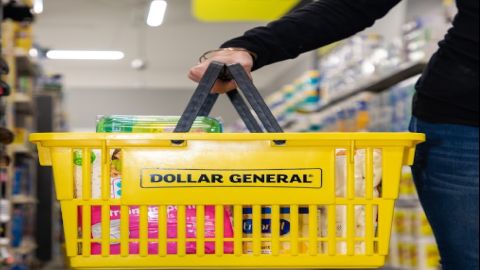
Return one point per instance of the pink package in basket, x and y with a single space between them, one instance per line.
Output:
134 229
171 226
134 222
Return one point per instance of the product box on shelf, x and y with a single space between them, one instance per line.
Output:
407 189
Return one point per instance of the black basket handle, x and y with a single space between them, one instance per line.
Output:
202 100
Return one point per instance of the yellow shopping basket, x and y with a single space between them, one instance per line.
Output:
250 200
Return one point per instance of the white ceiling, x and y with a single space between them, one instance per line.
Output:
170 50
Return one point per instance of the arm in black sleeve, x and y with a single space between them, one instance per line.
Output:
315 25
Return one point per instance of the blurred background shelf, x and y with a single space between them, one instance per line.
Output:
23 199
377 85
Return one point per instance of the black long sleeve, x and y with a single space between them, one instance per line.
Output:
310 27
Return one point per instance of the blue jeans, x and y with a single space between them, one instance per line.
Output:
446 176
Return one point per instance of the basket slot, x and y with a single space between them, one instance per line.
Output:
341 229
331 228
106 174
351 224
360 229
86 174
294 229
275 231
313 230
162 230
360 220
105 229
256 229
124 231
323 229
143 230
369 174
351 173
200 230
340 167
369 230
86 230
219 230
237 230
181 230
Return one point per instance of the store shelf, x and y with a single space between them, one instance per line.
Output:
27 247
20 148
25 108
377 85
24 64
22 98
4 242
23 199
401 202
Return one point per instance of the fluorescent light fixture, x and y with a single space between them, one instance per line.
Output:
38 6
84 55
156 13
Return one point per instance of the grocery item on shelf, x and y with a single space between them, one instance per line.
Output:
347 116
407 189
420 36
412 244
25 84
391 109
4 210
23 176
18 222
357 61
6 136
23 38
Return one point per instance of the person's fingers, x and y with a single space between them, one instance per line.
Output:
221 87
196 72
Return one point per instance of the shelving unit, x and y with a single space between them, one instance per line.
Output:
378 84
30 215
19 201
49 234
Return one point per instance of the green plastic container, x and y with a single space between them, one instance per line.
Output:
152 124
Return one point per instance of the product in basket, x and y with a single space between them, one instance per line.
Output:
143 124
96 175
359 178
134 221
171 227
152 124
266 230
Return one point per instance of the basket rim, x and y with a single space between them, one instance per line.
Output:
326 136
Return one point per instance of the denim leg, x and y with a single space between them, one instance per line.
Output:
447 179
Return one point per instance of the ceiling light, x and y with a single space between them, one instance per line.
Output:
85 55
156 13
38 6
33 52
